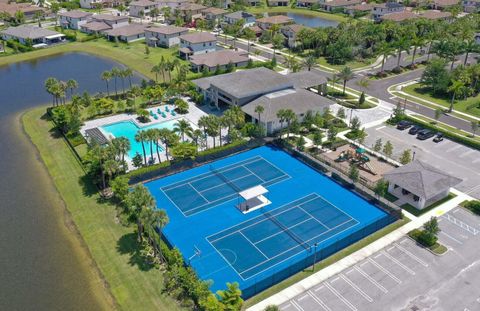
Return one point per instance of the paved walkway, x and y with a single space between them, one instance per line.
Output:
359 255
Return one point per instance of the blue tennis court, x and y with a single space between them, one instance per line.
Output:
261 242
204 191
308 217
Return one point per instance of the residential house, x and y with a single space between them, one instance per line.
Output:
100 23
95 4
141 8
419 184
398 17
443 4
307 3
471 6
256 30
338 5
127 33
73 19
436 15
235 17
407 15
362 8
214 14
218 60
28 10
197 43
164 36
290 32
281 20
188 11
173 4
274 3
34 35
381 9
254 2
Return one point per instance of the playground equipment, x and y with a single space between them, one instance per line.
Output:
358 157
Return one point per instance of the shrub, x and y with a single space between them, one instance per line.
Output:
427 239
474 206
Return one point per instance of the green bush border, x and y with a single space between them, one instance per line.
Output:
436 248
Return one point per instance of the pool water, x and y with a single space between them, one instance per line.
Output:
129 129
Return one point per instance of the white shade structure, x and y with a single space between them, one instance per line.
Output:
254 199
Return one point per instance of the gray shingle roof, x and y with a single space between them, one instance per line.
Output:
298 100
198 37
29 32
239 15
246 83
75 14
219 58
421 179
167 30
305 79
127 31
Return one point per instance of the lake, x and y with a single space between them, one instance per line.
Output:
43 266
308 20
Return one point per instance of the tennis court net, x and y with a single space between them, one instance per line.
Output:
225 179
285 229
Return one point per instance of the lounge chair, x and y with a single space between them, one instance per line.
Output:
159 111
164 115
166 108
173 113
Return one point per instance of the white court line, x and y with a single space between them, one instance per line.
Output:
340 296
368 277
300 207
297 306
280 232
356 288
253 244
252 172
423 263
376 264
401 265
319 301
451 237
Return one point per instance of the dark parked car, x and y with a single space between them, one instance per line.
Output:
438 138
414 130
425 134
403 125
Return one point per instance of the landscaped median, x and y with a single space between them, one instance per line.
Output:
113 247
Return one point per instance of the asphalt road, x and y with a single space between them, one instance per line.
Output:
405 276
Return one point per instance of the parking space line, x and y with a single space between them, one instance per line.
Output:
469 152
417 259
319 301
461 224
303 297
401 265
335 279
393 277
378 255
453 148
356 288
451 237
390 248
319 288
349 271
368 277
379 128
403 241
340 296
296 305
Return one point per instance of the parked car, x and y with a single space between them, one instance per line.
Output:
425 134
403 125
414 130
438 138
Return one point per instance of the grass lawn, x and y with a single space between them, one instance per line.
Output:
470 105
324 15
415 211
354 64
326 262
112 246
131 55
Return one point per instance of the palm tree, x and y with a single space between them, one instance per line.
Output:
203 123
290 117
183 127
110 167
310 61
138 200
128 73
468 47
150 135
346 74
457 88
333 80
196 136
249 35
386 50
259 109
107 76
50 84
72 84
156 137
169 139
213 127
141 137
416 42
115 74
154 221
156 70
401 44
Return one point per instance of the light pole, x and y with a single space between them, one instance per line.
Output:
314 255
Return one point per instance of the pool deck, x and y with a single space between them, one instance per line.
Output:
193 115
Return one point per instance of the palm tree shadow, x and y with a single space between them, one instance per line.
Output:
128 244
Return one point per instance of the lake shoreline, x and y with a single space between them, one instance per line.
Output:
105 299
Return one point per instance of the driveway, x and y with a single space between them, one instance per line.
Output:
405 276
448 156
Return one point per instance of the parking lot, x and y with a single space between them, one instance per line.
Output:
448 156
405 276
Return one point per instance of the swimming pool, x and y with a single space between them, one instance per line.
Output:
310 218
129 129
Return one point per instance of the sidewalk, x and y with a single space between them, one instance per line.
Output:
360 255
